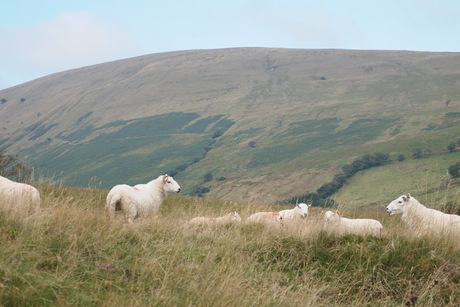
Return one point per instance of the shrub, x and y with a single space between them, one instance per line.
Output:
207 177
454 170
417 153
199 191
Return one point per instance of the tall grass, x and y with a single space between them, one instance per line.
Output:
71 255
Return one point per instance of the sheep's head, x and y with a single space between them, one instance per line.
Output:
236 217
331 216
398 205
170 185
303 209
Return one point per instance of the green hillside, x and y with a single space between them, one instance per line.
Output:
246 123
426 178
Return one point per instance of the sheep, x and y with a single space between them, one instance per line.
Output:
19 197
232 217
299 211
422 220
341 225
265 217
140 200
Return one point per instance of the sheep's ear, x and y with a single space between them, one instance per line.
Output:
309 205
406 198
408 195
165 178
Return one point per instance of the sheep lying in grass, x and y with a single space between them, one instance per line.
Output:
18 197
341 225
422 220
140 200
265 217
299 211
232 217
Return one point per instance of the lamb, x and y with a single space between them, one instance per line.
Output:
232 217
341 225
299 211
422 220
140 200
19 197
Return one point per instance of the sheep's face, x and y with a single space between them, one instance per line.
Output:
236 217
331 216
170 184
303 209
398 205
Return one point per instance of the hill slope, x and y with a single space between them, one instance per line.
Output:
263 124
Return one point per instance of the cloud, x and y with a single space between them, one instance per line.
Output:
71 40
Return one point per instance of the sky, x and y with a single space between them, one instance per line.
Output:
38 38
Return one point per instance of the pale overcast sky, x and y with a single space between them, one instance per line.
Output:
38 38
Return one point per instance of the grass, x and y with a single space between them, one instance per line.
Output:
71 255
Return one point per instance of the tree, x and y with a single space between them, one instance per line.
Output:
401 157
199 191
217 134
381 158
348 170
417 153
207 177
340 178
328 189
451 147
12 168
454 170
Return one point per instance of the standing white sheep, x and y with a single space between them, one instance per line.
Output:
18 197
342 225
232 217
141 199
422 220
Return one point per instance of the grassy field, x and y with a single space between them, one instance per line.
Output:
71 255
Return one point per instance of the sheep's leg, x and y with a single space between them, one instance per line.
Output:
131 213
112 210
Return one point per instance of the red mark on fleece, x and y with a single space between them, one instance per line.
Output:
275 213
136 189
